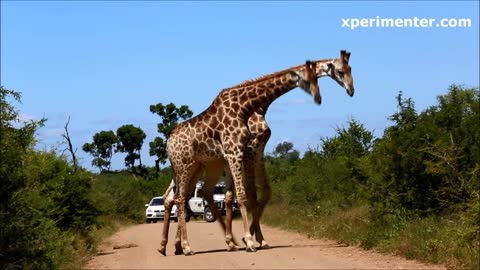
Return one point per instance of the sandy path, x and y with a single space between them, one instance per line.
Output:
290 251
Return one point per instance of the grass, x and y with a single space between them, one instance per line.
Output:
449 240
108 225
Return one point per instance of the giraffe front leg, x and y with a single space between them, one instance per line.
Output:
235 163
266 194
249 165
178 241
264 182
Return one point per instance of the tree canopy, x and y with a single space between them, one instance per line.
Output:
170 115
130 141
102 148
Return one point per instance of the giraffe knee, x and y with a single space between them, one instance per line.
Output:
242 198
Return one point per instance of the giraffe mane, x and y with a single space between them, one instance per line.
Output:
260 78
271 75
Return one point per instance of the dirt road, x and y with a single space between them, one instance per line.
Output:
289 251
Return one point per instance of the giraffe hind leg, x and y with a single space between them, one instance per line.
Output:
189 180
213 173
229 239
236 167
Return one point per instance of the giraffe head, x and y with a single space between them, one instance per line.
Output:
341 72
309 81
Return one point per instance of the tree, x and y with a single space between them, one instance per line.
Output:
102 148
285 150
281 163
14 145
170 115
354 141
429 162
343 162
53 197
130 141
68 140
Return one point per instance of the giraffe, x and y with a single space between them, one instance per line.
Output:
254 153
219 136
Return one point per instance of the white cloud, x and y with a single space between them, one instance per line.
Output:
26 118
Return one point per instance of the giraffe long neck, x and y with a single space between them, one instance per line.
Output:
322 70
259 95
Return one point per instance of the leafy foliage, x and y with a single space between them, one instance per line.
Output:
102 148
42 201
285 150
420 180
170 116
429 162
123 196
130 141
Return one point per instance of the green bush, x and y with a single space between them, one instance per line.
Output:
37 219
123 195
414 191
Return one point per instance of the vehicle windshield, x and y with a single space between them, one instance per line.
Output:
157 201
220 190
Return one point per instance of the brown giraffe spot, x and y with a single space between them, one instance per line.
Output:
214 122
210 133
227 121
235 107
213 110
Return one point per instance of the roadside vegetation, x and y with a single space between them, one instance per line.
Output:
53 214
415 191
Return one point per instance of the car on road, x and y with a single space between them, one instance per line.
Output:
198 206
155 210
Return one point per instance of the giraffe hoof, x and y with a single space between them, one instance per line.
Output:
251 249
232 248
188 253
178 252
265 246
162 251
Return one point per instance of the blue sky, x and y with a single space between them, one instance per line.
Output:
104 63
